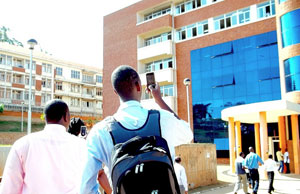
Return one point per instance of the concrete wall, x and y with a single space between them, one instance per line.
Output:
200 162
4 150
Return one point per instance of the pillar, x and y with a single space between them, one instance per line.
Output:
238 137
257 139
263 135
296 147
282 133
231 135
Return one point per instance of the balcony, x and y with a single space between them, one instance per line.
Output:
170 101
162 76
155 51
88 96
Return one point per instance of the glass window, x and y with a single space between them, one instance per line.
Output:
158 39
99 78
59 86
290 28
292 73
188 6
266 9
157 13
167 90
9 60
244 15
75 74
59 71
2 59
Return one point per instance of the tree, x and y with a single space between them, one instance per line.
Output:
1 108
5 38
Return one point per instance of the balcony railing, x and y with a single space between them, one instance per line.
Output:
159 50
164 75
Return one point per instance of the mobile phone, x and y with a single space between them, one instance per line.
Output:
83 130
150 79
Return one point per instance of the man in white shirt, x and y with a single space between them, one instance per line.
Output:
286 161
131 115
270 167
49 161
181 176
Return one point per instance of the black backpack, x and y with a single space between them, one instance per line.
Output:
141 161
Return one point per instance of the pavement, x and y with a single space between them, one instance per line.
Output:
283 183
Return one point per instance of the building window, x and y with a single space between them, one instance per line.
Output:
2 76
47 68
27 81
266 9
157 13
75 88
75 74
292 74
17 95
2 59
225 21
189 5
290 28
27 64
244 15
87 78
46 98
158 39
59 71
98 92
75 102
18 79
18 62
193 30
87 104
159 65
59 86
167 90
99 78
9 61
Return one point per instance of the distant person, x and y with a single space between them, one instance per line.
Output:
241 174
181 176
252 163
287 161
77 127
46 162
131 116
279 156
270 167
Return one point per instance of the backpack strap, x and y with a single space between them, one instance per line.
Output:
120 134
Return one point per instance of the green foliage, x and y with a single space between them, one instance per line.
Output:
15 126
1 108
5 38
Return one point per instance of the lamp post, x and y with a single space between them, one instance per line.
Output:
22 129
187 82
31 43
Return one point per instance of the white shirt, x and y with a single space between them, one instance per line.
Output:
286 157
181 175
45 162
132 116
270 165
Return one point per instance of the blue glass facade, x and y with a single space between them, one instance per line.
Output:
290 28
292 73
233 73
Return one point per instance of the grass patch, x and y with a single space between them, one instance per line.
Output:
15 126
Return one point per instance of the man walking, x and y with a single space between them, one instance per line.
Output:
241 174
181 176
49 161
280 160
270 167
132 116
286 161
251 163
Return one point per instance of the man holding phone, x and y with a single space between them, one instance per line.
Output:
127 85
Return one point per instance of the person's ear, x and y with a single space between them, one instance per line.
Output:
138 86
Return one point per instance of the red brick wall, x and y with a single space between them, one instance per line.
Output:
38 69
38 100
14 85
120 42
38 85
19 69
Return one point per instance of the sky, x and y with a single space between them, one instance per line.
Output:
71 30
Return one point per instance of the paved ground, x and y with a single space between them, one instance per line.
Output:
283 183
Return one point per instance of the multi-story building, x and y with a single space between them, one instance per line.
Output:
233 52
78 85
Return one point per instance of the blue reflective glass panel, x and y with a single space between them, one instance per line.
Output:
290 28
292 73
